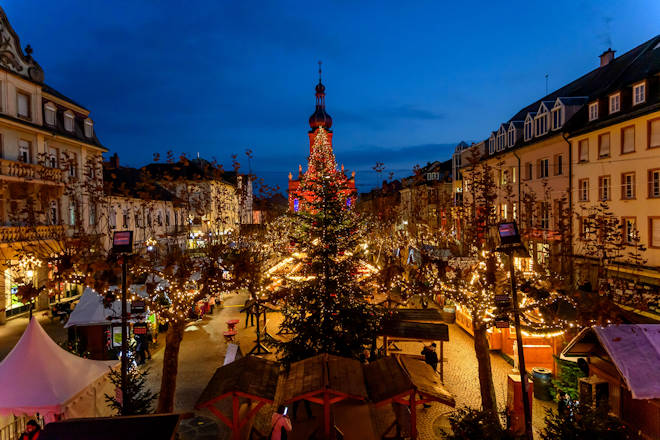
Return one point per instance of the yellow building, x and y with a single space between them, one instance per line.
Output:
50 158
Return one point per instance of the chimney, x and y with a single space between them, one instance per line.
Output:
114 161
606 57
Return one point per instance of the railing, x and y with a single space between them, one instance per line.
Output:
27 171
12 234
13 430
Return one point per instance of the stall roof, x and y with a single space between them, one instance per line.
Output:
321 372
417 315
425 331
395 375
249 375
91 311
157 426
634 350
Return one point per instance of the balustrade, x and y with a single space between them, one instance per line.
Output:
29 171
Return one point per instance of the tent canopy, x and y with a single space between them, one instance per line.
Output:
634 350
40 376
90 309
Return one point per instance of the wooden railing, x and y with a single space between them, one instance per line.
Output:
29 171
13 234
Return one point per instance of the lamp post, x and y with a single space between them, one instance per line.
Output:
122 244
510 242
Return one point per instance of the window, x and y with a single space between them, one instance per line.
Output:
149 224
544 218
68 120
159 218
500 141
51 159
89 128
583 190
92 214
628 186
654 133
544 168
491 145
49 113
52 213
639 93
559 164
541 124
514 210
513 174
556 118
512 137
628 139
604 145
528 129
615 103
73 165
593 111
604 192
584 227
654 183
72 213
24 151
528 169
23 105
654 232
167 217
629 230
124 218
583 150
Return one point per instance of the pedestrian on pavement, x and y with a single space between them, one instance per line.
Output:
147 342
32 431
281 424
431 358
247 307
562 404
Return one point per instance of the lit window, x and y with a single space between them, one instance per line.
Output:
49 113
89 128
604 188
604 145
112 218
639 93
628 186
72 213
583 190
68 121
296 205
628 139
593 111
615 103
23 105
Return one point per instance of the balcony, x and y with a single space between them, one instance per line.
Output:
20 171
16 234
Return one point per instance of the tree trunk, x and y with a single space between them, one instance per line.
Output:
173 340
488 401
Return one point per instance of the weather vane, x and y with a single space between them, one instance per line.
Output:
320 70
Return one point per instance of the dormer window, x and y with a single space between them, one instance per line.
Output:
491 144
500 140
615 103
639 93
68 120
541 124
556 118
529 130
89 128
512 137
49 113
593 111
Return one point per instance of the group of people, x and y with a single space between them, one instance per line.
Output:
142 352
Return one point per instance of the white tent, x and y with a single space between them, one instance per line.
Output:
91 311
38 376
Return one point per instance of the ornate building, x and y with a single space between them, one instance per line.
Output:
320 145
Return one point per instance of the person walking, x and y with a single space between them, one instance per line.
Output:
32 431
431 358
249 316
281 424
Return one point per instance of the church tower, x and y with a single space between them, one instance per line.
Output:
320 137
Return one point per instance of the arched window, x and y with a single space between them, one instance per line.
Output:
49 113
296 205
89 128
68 120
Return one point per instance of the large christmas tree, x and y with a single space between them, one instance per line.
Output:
327 309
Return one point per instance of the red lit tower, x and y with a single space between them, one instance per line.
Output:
320 145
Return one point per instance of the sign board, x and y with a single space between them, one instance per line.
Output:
502 322
116 336
508 233
122 242
140 328
502 300
138 306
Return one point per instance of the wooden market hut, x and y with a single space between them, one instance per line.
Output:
247 380
325 380
402 380
157 426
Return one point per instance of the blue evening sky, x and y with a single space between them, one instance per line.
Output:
405 81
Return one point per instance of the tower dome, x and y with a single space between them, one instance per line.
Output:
320 118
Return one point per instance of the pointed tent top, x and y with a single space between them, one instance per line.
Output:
40 376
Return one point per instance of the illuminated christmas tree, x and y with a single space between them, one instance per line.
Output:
327 310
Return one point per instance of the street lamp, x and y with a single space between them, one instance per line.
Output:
510 242
122 244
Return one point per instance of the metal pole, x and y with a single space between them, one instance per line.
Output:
124 335
521 353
